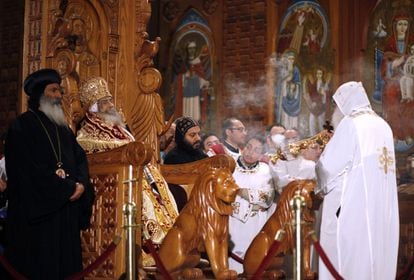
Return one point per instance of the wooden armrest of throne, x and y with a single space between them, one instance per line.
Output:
109 172
186 174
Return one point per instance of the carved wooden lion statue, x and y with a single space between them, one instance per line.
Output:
202 226
281 219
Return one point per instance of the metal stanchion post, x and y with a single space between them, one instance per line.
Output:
129 210
297 203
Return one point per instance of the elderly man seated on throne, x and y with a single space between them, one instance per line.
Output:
103 129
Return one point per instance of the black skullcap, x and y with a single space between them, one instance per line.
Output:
183 124
35 83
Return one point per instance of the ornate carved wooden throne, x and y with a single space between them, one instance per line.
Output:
109 172
84 38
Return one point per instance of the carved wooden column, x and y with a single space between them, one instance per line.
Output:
146 112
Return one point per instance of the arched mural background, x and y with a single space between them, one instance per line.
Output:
302 68
190 75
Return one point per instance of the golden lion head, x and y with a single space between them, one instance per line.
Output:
305 188
216 189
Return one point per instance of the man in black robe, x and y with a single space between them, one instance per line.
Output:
187 149
50 198
188 142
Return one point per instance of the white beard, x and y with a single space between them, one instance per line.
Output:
112 117
53 110
337 116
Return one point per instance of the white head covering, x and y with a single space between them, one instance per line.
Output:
94 108
351 96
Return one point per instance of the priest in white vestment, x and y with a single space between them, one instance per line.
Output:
357 175
255 196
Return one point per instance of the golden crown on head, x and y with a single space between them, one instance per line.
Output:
92 90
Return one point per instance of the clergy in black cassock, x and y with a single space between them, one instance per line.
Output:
187 149
50 198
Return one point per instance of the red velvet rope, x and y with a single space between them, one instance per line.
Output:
236 258
99 260
267 259
158 261
325 258
10 269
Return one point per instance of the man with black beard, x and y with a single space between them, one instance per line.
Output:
50 198
188 142
188 149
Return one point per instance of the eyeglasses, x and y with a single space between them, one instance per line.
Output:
241 129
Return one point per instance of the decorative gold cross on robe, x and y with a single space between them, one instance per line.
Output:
385 159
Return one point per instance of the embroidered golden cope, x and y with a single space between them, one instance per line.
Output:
165 211
96 135
159 210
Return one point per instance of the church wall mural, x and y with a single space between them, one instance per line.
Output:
302 68
390 60
191 72
389 76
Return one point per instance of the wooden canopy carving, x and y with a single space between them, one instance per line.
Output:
84 38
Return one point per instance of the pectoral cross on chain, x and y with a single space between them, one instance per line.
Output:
385 160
